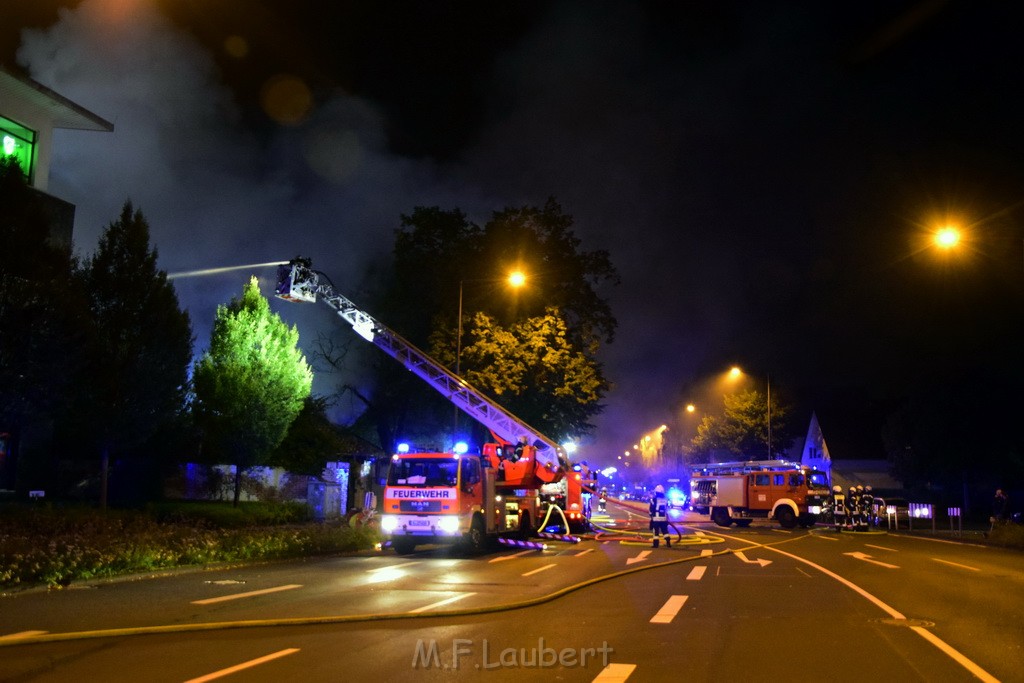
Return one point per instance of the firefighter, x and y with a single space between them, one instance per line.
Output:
853 504
867 500
659 517
862 510
602 501
838 507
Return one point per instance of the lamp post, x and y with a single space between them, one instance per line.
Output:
515 279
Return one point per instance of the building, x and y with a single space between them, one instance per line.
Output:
29 113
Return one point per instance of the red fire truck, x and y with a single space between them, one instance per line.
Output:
768 489
451 497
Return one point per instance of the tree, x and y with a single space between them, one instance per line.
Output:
313 439
250 384
533 370
560 315
42 317
139 345
743 429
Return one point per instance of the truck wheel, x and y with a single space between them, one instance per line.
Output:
786 517
720 516
808 520
743 523
403 546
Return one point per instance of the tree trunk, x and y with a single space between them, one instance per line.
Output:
238 485
104 472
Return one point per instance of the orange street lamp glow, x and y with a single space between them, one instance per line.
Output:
735 372
690 407
517 279
947 237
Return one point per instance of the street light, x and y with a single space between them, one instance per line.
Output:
947 237
515 279
735 372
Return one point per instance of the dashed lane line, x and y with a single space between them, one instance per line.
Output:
250 594
441 603
244 665
615 673
669 610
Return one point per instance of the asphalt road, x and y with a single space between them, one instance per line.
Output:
757 604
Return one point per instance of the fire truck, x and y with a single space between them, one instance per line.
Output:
768 489
508 489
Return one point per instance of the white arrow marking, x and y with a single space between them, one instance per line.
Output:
760 561
639 558
867 558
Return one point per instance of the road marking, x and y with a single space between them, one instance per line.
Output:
763 563
954 564
781 531
584 552
962 660
441 603
923 632
881 547
236 596
803 572
615 673
510 557
244 665
867 558
639 558
669 610
394 566
538 571
824 538
22 634
696 574
706 552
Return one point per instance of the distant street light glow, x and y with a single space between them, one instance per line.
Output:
947 237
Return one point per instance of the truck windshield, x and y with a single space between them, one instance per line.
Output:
817 480
423 472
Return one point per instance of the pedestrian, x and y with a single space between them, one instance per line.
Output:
659 517
999 508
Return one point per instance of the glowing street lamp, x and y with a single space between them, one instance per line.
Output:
947 237
515 279
735 373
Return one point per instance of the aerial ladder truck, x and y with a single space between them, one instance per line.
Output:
510 488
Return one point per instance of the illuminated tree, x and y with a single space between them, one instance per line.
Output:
139 345
250 384
552 327
743 429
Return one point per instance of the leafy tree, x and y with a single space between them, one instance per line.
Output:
250 384
313 439
41 320
743 429
139 345
556 323
533 370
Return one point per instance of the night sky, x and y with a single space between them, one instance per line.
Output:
764 175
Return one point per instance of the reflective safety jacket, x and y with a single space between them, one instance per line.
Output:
659 511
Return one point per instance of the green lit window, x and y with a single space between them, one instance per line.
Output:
19 142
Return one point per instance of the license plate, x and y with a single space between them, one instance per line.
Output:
419 522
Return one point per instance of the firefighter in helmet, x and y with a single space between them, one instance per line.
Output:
867 501
838 507
853 504
659 517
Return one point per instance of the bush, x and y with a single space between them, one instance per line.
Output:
86 544
1007 535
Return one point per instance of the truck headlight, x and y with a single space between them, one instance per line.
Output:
449 524
388 523
814 509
